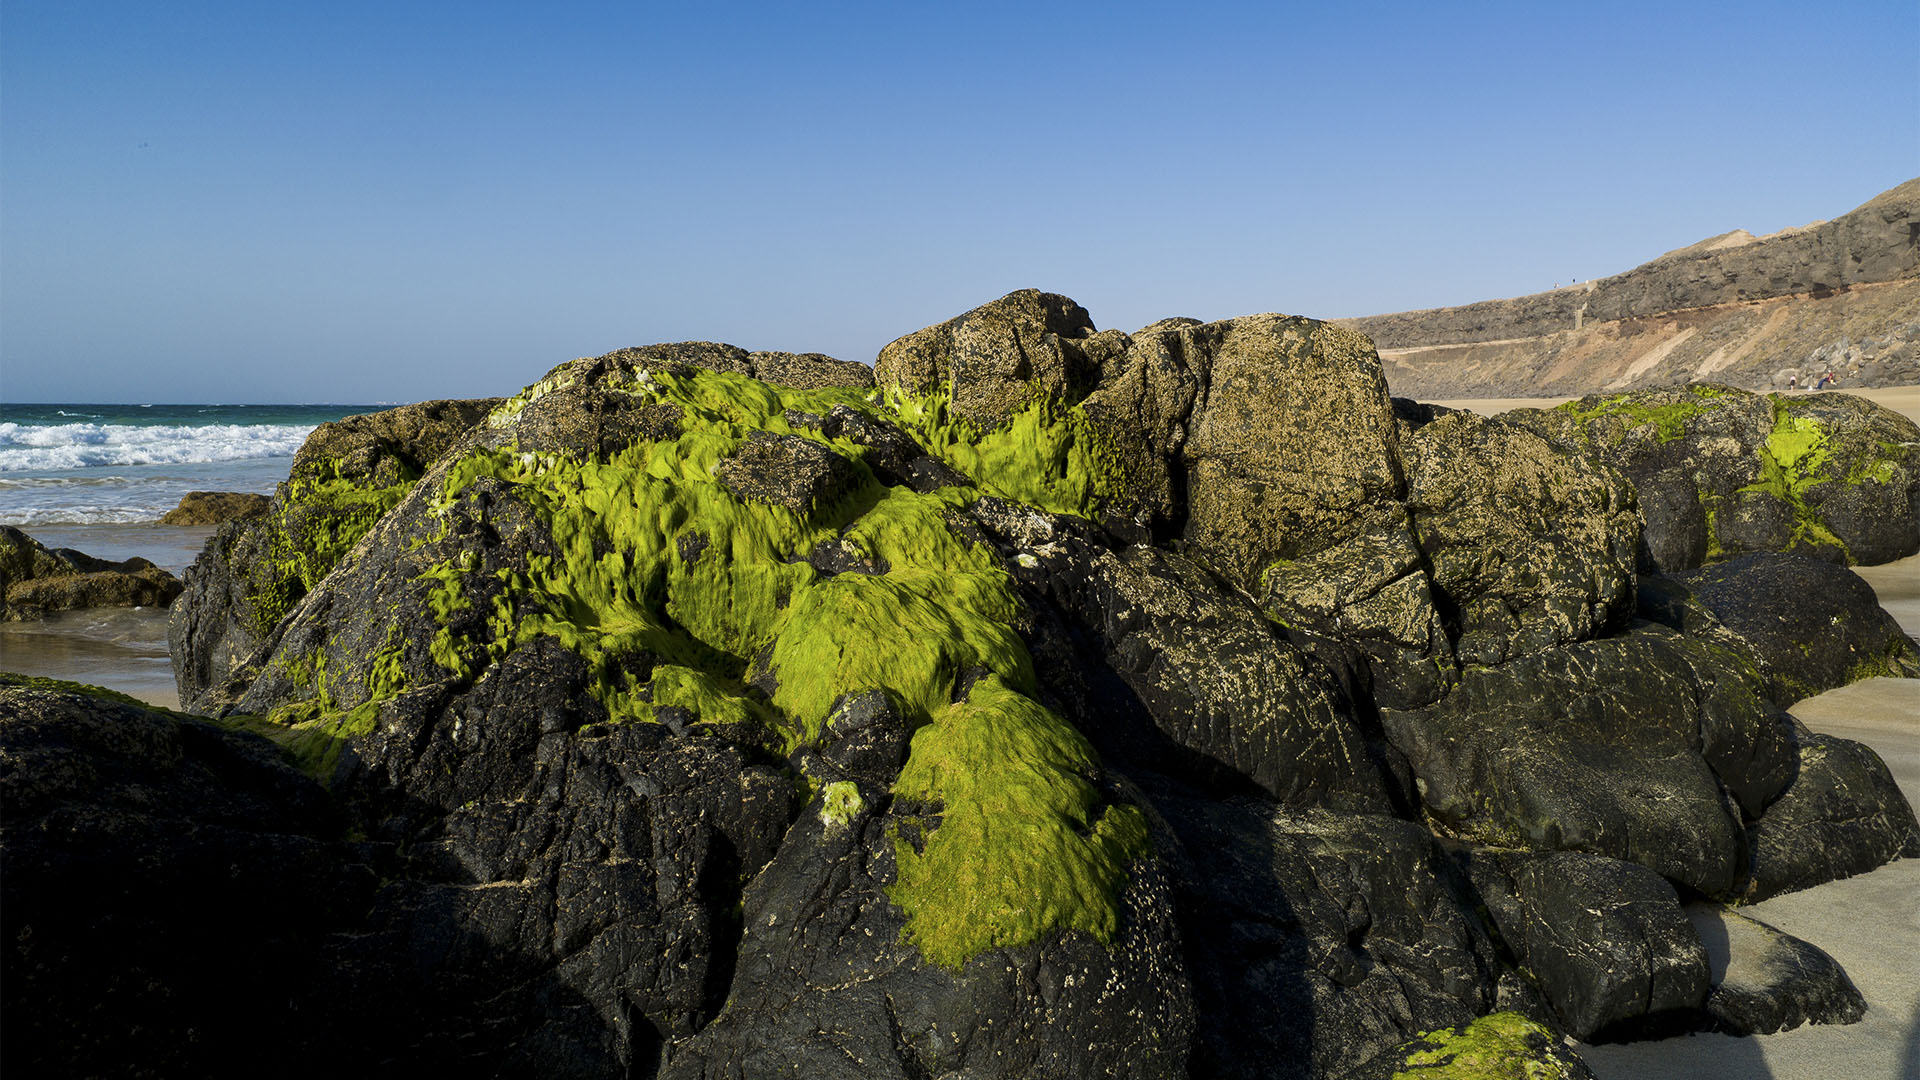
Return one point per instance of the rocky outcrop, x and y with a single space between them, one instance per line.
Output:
1841 294
35 579
214 508
346 475
1721 472
1069 703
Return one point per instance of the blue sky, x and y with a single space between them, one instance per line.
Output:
388 202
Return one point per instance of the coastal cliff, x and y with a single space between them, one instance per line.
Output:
1738 309
1040 702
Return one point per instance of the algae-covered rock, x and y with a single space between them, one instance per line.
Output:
214 507
995 360
1500 1046
256 568
1050 702
35 580
1723 471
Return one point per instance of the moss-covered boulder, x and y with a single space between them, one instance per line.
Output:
1722 471
35 579
214 507
257 567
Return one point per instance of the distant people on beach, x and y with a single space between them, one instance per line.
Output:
1826 380
1793 382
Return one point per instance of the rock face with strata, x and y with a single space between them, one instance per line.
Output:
1754 312
1045 709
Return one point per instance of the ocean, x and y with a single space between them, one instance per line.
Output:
98 478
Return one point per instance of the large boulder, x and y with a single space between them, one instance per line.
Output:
1612 948
1842 815
1766 981
1529 547
1722 471
164 886
998 359
35 579
1646 747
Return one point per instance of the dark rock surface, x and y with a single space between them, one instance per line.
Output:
1608 941
214 507
165 888
1766 981
1069 703
1807 624
35 579
1842 815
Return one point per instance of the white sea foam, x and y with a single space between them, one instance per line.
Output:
81 445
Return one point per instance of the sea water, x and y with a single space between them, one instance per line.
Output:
97 478
120 464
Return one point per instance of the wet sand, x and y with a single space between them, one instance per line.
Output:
123 649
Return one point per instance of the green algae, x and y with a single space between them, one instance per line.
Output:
1669 420
316 520
1503 1046
840 803
1047 455
1023 844
679 594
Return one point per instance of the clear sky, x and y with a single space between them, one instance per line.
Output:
385 202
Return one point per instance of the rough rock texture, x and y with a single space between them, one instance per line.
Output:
1070 703
214 508
163 888
1766 981
1722 472
1647 746
257 567
1750 311
1808 625
35 579
1842 815
1613 950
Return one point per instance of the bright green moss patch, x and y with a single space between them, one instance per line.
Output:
677 593
1024 845
1504 1046
1670 420
1794 458
840 803
1045 455
315 524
